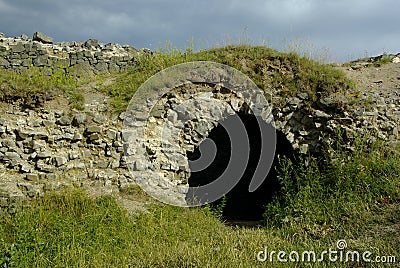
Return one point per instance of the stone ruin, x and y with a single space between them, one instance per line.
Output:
45 150
171 128
21 52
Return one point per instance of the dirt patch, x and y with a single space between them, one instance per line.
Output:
26 99
60 103
382 81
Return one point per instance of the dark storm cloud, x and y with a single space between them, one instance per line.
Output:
347 27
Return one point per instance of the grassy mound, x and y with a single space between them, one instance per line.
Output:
280 75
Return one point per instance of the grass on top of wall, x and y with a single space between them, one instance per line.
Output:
280 75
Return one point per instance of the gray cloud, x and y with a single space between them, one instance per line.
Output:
348 28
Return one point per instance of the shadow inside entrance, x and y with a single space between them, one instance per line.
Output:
241 206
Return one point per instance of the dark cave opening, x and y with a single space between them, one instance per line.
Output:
241 205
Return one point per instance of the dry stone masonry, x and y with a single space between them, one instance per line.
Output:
306 128
44 150
21 52
40 149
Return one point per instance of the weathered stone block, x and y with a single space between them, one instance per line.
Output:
79 119
103 164
4 63
60 161
40 61
18 48
52 176
64 120
99 55
11 156
3 49
93 129
15 56
68 136
16 62
77 137
92 43
36 46
87 54
28 47
94 137
92 61
26 62
36 145
43 154
24 133
40 135
32 177
41 37
61 62
99 118
80 55
111 134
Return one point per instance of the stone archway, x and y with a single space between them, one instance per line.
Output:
177 125
172 116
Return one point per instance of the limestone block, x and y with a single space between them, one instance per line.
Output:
18 48
93 129
41 37
4 63
64 120
32 177
92 43
40 61
60 161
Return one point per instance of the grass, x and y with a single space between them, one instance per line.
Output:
33 86
280 75
345 188
354 196
383 60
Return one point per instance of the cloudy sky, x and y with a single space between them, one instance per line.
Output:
341 30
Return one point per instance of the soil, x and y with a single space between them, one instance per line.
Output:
382 80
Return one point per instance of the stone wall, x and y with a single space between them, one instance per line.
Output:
44 150
310 130
21 52
48 149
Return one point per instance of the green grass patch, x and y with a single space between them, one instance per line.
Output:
353 195
33 86
382 60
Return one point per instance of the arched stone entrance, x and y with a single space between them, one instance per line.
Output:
241 204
